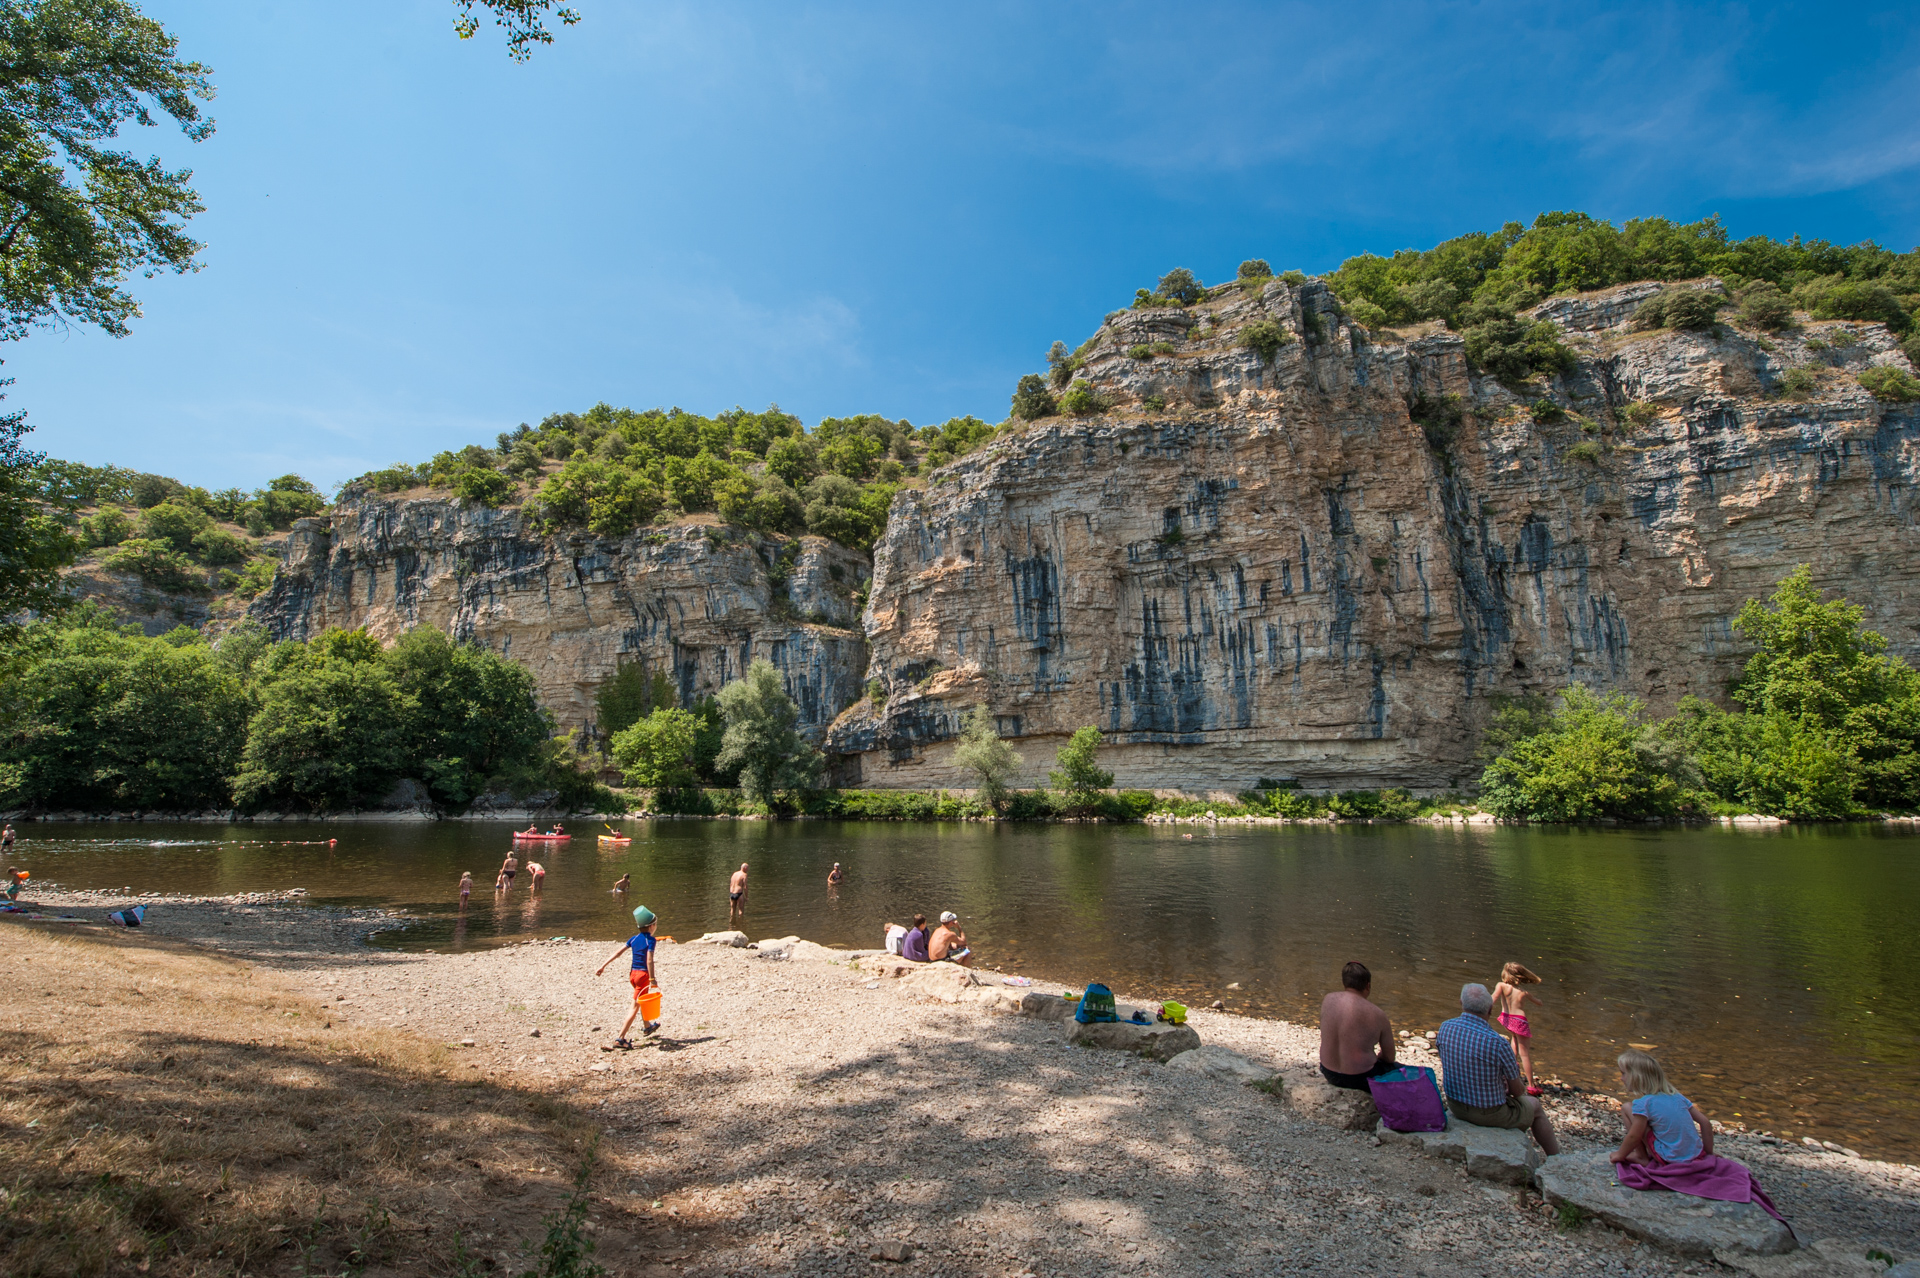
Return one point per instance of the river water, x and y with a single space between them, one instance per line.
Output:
1766 968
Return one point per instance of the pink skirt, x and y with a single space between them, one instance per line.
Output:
1515 1023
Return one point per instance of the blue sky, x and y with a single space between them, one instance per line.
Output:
413 243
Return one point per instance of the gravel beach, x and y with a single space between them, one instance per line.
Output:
801 1116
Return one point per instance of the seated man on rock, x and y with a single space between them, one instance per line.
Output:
1483 1082
1356 1040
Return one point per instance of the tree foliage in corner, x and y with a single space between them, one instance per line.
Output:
525 22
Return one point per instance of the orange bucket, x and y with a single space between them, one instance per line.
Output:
650 1005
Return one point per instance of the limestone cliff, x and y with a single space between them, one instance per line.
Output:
697 601
1248 567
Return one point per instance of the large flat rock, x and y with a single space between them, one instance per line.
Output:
1220 1063
1313 1098
1156 1039
1696 1227
1826 1258
1489 1153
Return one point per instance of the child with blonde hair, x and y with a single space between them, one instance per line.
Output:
1662 1125
1509 999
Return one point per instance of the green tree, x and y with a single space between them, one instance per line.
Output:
624 700
101 719
1180 285
1819 669
34 543
761 742
330 733
76 216
154 562
1595 758
659 752
469 714
175 523
1078 774
992 761
1255 268
1030 398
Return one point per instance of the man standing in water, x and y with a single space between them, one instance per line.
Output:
509 868
737 895
1352 1029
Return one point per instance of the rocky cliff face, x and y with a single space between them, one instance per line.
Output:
1250 568
696 601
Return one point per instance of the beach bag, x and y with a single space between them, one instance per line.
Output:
895 936
1096 1004
129 918
1408 1099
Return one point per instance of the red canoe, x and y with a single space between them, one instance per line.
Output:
540 838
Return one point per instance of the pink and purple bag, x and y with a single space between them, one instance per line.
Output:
1408 1099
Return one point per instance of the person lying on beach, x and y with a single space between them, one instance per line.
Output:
641 945
949 943
1356 1039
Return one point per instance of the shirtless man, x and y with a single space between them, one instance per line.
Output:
949 942
509 868
1352 1029
737 894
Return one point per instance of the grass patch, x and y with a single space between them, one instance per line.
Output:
162 1113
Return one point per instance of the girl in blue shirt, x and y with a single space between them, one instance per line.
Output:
641 944
1662 1125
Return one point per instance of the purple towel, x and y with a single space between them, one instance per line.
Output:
1708 1176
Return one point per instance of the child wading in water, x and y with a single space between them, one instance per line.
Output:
642 945
1508 998
1662 1125
466 888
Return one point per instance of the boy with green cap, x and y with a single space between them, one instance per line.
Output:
642 945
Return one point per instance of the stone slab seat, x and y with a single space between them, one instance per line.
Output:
1223 1064
1313 1098
1489 1153
1694 1227
1156 1039
738 940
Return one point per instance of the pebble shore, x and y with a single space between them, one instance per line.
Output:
798 1115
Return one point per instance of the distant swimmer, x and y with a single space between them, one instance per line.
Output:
737 894
836 876
620 884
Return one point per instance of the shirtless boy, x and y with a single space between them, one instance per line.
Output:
1352 1031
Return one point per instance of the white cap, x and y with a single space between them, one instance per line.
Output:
948 916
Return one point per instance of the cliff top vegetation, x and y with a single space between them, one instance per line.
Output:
612 470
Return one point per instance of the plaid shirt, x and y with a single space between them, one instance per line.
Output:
1475 1062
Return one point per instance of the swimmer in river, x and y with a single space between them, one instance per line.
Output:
538 873
836 876
466 888
620 884
737 894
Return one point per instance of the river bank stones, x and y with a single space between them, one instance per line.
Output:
1489 1153
1156 1039
1696 1227
1316 1100
1223 1064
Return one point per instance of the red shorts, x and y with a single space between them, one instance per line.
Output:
641 983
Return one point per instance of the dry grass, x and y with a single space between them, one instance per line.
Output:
165 1111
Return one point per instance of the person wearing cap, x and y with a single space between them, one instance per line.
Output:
949 942
835 876
642 945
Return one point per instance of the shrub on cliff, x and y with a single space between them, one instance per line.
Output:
1264 338
1081 400
108 526
1180 285
1030 398
1684 308
156 563
488 487
175 523
1513 350
1894 385
1762 305
1835 297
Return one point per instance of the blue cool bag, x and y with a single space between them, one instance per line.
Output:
1096 1004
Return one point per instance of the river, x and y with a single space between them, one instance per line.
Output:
1765 967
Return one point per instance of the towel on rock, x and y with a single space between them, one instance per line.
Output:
1708 1176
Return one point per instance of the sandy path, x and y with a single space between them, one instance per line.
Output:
789 1118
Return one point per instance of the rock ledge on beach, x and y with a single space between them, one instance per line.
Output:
1218 1062
1313 1098
737 940
1490 1153
1695 1227
1156 1039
